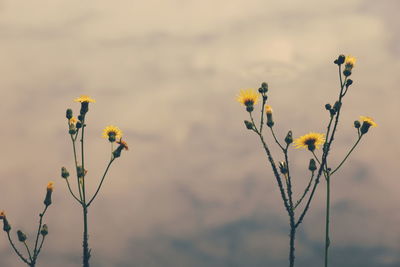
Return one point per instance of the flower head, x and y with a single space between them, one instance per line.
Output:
268 109
112 133
349 62
311 141
247 97
84 98
367 122
50 186
73 121
2 215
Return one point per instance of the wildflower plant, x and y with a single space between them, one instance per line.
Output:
76 128
318 164
32 254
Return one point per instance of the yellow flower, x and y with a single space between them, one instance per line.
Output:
368 120
73 121
50 186
247 97
268 109
350 62
112 132
84 98
311 141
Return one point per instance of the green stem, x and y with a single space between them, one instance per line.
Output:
102 179
35 253
70 190
76 168
276 140
16 250
348 154
305 191
29 252
86 252
327 240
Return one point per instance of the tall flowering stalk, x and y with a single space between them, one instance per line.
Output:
41 233
318 165
76 128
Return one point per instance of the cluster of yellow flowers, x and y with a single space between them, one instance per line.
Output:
312 140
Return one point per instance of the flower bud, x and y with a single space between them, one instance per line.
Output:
341 59
283 167
347 72
122 145
49 191
72 129
289 138
349 82
357 124
337 106
270 120
263 88
64 173
21 236
79 125
68 113
312 167
328 106
80 171
44 231
6 225
249 125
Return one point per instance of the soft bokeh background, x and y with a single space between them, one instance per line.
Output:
195 189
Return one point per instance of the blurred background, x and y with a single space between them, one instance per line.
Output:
195 188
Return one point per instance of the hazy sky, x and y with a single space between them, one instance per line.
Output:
195 190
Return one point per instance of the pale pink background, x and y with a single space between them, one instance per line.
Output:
195 190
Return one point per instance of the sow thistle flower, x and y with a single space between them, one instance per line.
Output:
349 63
248 98
84 99
367 122
50 188
112 133
268 111
310 141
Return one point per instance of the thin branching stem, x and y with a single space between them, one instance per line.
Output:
38 232
348 154
305 191
29 252
72 193
16 250
101 182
